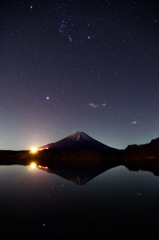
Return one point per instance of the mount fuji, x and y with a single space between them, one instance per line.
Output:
76 142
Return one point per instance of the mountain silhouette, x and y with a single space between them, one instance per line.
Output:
78 141
80 151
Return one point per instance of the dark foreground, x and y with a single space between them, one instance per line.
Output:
43 207
100 202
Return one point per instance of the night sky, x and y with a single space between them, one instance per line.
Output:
68 66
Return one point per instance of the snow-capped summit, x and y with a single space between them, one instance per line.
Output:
79 136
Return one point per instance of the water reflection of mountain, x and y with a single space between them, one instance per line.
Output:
79 176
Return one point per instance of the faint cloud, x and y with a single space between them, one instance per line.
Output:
93 105
103 104
133 123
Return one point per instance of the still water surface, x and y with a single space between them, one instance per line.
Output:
35 204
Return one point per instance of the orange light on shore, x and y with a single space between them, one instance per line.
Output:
33 150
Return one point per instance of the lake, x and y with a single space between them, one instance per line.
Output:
38 203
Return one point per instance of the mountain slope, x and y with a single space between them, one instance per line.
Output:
78 141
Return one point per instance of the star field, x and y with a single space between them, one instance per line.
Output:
69 66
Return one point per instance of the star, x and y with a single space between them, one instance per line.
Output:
47 98
70 38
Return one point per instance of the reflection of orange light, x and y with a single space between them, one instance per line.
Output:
34 150
33 165
42 167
